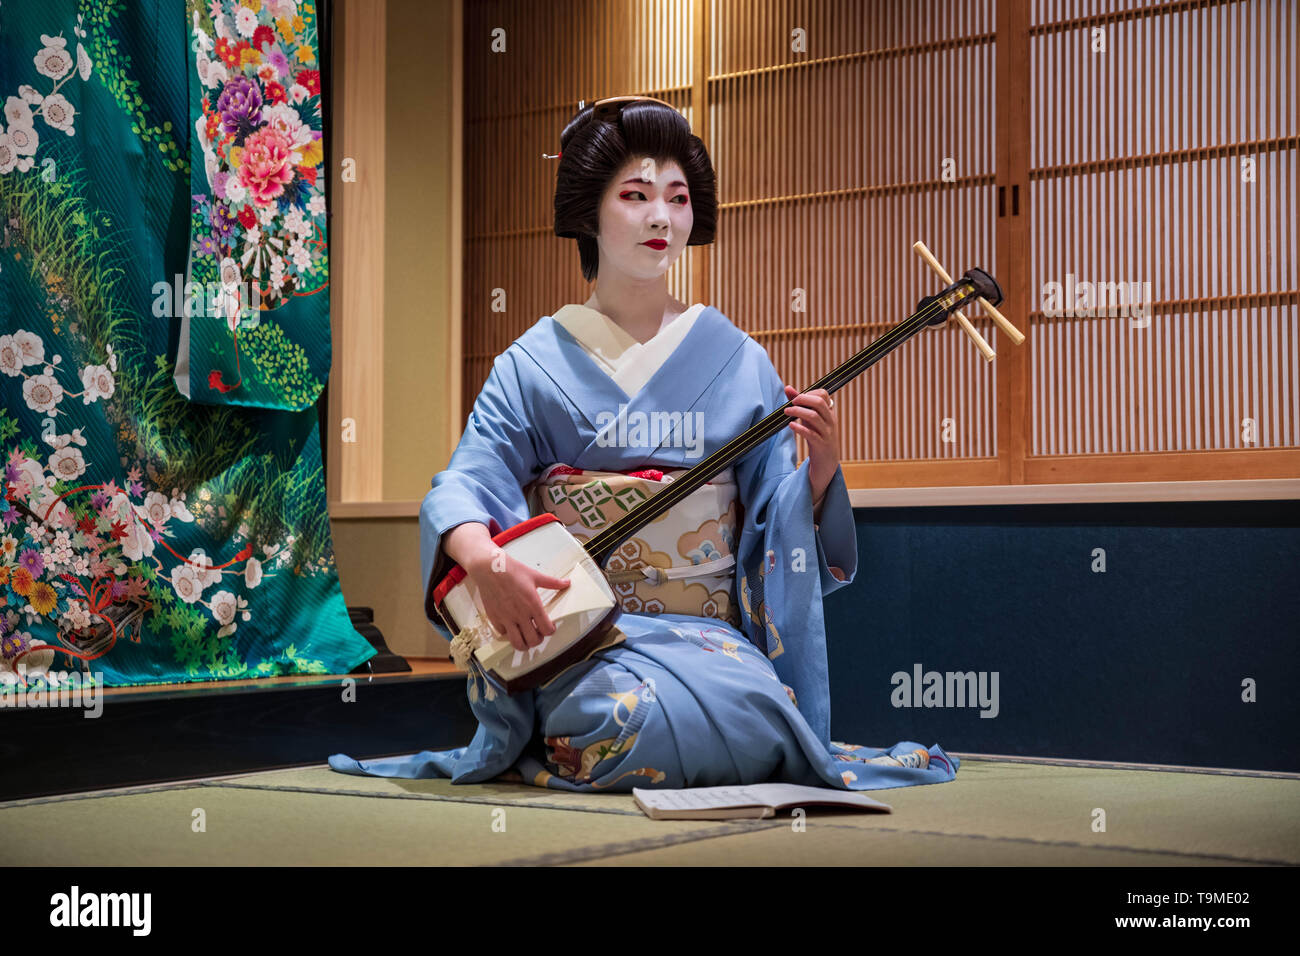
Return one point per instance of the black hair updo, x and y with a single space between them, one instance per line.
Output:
592 151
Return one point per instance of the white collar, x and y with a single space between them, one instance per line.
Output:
625 360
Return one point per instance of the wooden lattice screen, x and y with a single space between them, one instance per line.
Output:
1088 144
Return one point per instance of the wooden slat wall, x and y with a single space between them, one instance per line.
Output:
1137 178
831 163
828 172
516 105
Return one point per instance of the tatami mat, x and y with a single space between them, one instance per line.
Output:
994 813
825 844
265 827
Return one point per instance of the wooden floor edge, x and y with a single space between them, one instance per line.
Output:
1119 765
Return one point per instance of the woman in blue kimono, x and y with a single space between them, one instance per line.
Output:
737 692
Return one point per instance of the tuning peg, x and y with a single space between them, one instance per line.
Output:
1015 334
1012 332
975 336
964 322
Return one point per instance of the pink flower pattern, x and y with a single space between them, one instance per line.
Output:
267 167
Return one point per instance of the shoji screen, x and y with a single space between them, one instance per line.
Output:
842 133
527 66
1044 141
1164 174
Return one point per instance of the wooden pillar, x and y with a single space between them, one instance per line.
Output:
1012 236
357 285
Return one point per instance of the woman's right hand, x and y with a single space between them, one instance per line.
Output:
508 589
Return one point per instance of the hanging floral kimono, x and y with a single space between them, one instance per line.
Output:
715 672
164 336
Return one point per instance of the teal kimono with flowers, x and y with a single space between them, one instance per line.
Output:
164 337
679 700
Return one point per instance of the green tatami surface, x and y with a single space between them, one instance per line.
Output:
994 813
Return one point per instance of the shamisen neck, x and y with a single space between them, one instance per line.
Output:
604 543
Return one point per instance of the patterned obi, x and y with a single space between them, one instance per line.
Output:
683 562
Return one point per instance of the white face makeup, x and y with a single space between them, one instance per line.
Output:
656 204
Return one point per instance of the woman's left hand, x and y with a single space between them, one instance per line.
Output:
815 418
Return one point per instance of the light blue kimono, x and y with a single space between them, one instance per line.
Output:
683 701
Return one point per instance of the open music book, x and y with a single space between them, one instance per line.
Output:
755 801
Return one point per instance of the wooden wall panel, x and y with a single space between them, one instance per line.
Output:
527 68
355 471
1164 163
828 173
843 131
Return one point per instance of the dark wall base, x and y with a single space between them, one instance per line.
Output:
1141 663
153 737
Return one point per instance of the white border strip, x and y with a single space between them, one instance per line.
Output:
1251 489
1115 765
1237 490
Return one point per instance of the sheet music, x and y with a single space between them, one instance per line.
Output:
759 794
699 798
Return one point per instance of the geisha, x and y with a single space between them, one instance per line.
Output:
716 672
